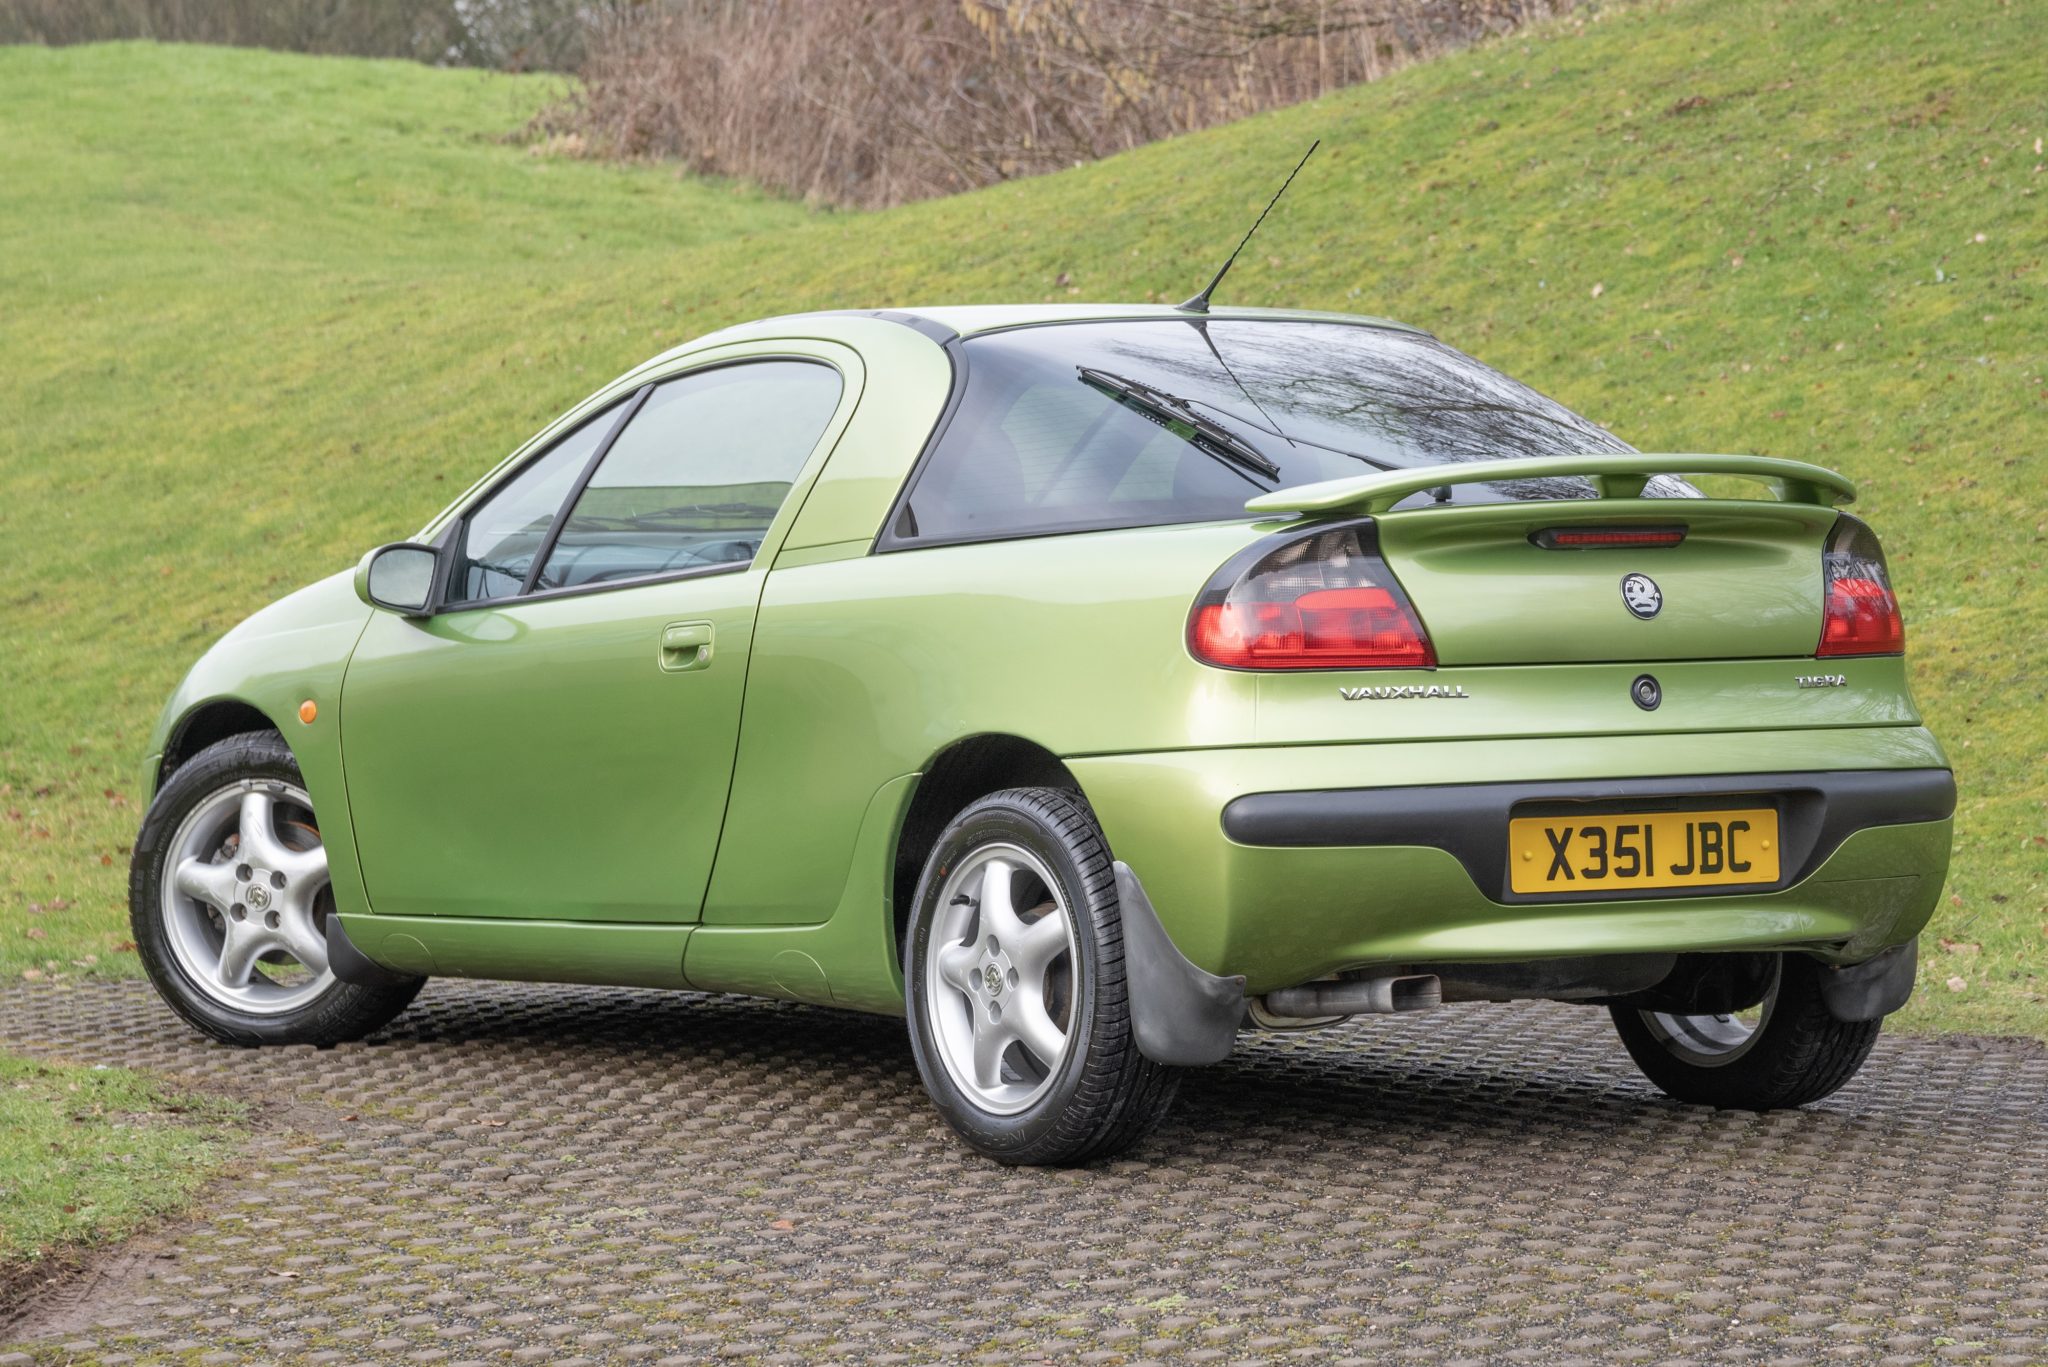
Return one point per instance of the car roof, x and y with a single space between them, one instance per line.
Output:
944 321
968 319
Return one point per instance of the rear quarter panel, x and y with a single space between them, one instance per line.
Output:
864 668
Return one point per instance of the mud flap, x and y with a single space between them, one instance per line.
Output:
1179 1014
351 965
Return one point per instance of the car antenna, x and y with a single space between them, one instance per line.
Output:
1202 327
1200 303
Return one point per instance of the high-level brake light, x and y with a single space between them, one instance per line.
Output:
1596 538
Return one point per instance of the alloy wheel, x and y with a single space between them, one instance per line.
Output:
1000 978
245 898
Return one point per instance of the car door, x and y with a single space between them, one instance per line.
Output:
556 741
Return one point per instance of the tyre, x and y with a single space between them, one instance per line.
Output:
229 899
1014 972
1787 1051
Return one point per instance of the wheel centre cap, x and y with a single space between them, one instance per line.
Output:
992 978
257 896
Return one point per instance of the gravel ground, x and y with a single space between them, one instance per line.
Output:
545 1174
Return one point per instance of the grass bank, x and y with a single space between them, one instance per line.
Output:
262 312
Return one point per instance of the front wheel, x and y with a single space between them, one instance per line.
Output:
1014 971
229 899
1788 1050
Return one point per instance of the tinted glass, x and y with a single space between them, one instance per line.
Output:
505 533
697 475
1038 446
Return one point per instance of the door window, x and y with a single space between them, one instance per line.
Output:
505 533
698 474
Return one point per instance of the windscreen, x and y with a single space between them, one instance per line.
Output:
1133 423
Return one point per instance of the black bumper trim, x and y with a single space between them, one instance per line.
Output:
1817 811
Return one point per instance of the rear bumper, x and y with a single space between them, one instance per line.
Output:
1817 811
1287 863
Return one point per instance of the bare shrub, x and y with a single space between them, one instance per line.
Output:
874 102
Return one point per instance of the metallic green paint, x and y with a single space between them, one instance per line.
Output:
524 950
534 759
854 947
1283 916
793 556
1701 697
534 797
279 657
1614 475
871 458
1746 582
864 670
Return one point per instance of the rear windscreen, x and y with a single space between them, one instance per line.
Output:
1125 424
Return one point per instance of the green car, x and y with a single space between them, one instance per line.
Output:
1086 685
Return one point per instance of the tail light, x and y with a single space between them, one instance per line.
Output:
1321 601
1862 614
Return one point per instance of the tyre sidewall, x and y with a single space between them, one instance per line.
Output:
1802 1053
1040 1126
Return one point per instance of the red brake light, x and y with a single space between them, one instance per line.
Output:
1323 601
1861 616
1588 538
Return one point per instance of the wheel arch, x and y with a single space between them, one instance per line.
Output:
962 772
207 724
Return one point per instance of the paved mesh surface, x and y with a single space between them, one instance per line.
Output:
542 1174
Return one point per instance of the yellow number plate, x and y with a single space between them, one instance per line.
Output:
1561 854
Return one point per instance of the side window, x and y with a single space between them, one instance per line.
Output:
503 535
697 475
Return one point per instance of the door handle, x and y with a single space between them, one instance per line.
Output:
685 646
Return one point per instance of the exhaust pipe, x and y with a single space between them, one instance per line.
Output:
1356 997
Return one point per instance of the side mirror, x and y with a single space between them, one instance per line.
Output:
399 577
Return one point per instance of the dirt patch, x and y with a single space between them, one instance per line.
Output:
2021 1045
71 1292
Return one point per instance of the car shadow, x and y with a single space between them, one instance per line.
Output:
1499 1078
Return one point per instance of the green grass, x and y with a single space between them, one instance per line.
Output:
258 313
89 1154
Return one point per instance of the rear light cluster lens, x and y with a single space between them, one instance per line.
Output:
1323 601
1862 614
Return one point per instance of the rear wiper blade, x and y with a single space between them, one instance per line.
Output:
1178 416
1274 431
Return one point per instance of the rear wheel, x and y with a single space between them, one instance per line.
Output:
229 900
1787 1050
1013 967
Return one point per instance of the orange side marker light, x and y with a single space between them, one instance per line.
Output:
308 710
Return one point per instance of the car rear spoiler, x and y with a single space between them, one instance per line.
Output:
1619 474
